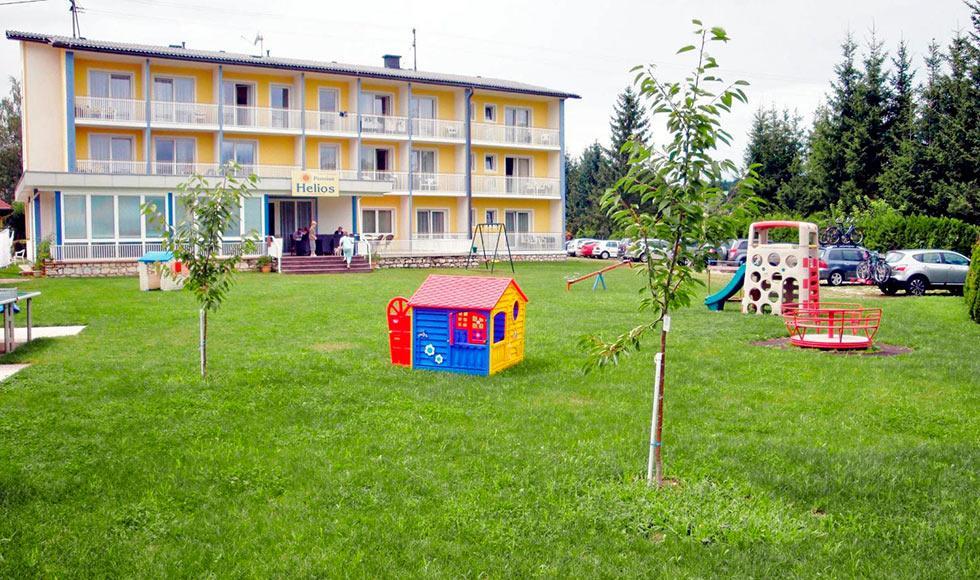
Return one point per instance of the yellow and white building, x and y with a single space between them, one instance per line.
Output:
421 157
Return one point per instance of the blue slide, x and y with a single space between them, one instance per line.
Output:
717 300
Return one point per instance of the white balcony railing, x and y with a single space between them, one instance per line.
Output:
261 118
170 112
511 135
544 187
438 129
384 125
129 249
109 109
331 122
170 168
110 166
458 244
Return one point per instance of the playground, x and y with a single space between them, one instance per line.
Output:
309 454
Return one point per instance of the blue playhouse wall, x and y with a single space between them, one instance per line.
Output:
431 349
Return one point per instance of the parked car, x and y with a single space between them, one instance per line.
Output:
916 271
604 249
579 243
737 250
572 246
839 264
637 251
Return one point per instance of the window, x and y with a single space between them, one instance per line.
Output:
491 216
174 156
154 229
499 326
329 154
377 221
517 170
490 113
113 151
469 328
955 259
241 152
423 161
280 106
103 217
76 223
518 121
329 103
238 98
518 221
423 108
130 221
517 309
930 258
110 85
253 216
490 163
375 104
169 97
431 221
375 159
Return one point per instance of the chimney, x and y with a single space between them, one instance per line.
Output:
392 60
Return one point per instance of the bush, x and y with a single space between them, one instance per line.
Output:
971 291
891 231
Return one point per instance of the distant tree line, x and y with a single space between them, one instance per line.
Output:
888 139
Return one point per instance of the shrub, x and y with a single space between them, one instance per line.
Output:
971 290
891 231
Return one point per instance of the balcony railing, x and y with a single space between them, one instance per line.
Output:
109 109
530 186
130 249
258 117
384 125
110 166
113 167
171 112
458 244
331 122
438 129
511 135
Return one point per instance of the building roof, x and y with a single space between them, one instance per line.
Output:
462 292
221 57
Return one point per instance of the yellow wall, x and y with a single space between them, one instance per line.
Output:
539 109
434 202
203 80
346 159
509 351
82 135
263 84
205 144
445 102
346 103
540 208
539 160
272 149
83 66
445 157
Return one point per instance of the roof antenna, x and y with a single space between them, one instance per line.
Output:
75 9
259 40
415 54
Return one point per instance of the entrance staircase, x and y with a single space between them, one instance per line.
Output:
324 265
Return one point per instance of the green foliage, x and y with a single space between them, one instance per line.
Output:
587 179
43 253
971 290
892 231
776 147
10 147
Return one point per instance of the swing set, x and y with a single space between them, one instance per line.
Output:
484 233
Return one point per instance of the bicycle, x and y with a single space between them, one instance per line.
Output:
874 268
843 233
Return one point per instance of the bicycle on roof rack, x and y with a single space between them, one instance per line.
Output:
874 268
842 232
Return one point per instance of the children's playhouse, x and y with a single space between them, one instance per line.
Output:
462 324
781 273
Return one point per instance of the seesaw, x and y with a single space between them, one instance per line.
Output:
598 275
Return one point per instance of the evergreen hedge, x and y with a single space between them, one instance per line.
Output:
971 291
891 231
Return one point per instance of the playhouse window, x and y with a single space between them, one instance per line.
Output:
499 326
517 309
469 328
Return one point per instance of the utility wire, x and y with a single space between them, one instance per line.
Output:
21 2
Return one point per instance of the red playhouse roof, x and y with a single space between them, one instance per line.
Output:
462 292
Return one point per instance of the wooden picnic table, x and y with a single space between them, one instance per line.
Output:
8 299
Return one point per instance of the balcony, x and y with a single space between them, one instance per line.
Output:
495 185
325 122
490 134
163 113
111 111
287 120
132 249
107 167
459 244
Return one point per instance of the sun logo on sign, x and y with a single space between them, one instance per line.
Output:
306 177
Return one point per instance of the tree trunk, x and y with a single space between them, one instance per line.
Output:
204 343
655 466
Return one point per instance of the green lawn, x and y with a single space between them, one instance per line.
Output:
307 454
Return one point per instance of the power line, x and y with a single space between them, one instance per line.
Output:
21 2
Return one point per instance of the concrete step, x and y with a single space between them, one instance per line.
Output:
324 265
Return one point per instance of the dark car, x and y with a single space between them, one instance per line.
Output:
839 265
738 250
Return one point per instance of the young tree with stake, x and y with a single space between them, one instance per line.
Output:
681 200
209 210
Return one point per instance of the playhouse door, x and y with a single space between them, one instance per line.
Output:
468 345
400 332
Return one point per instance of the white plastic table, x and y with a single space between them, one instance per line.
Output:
9 297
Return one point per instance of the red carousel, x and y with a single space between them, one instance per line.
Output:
831 325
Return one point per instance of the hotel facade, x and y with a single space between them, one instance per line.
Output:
419 158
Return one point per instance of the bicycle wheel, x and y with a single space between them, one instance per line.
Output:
829 236
882 272
863 271
857 236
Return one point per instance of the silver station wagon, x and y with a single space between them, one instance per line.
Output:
916 271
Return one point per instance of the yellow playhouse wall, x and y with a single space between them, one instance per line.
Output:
514 338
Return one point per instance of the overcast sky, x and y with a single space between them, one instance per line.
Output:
786 49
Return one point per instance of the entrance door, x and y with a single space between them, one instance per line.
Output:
293 215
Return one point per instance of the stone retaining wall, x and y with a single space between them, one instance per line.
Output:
108 268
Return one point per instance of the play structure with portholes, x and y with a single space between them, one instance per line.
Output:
783 278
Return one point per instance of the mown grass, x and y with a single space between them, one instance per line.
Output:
307 454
